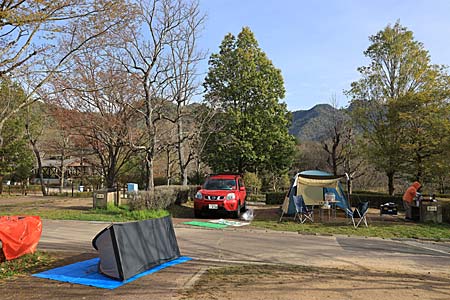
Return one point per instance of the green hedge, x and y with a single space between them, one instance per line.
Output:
256 198
20 188
75 194
445 212
161 197
375 200
275 197
442 196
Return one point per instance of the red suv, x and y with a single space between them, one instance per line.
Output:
221 193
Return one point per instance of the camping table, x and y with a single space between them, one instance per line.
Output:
331 210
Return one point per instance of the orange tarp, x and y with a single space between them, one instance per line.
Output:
19 235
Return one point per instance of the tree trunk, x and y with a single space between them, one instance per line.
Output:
111 172
168 166
334 157
150 174
349 191
81 167
197 171
37 154
63 171
110 180
390 176
180 148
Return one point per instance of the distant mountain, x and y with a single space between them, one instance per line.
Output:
313 124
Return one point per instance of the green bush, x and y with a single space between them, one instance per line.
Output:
138 201
275 197
161 197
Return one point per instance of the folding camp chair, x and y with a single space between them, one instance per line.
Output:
360 213
302 211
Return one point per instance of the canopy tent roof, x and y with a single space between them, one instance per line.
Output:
317 174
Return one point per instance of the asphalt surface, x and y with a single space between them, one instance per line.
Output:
213 247
243 245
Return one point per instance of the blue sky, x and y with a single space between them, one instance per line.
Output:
319 44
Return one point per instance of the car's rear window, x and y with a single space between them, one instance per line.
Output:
220 184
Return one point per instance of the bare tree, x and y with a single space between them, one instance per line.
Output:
28 31
204 126
309 157
334 145
184 85
147 56
340 146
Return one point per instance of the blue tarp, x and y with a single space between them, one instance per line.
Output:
86 273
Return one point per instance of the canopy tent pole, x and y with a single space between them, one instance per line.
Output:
349 198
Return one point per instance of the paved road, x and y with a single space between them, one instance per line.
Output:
261 246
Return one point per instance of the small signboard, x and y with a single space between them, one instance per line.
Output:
431 208
100 196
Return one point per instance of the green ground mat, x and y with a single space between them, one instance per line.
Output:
205 224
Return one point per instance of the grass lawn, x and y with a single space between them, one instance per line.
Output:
265 218
26 264
112 214
379 229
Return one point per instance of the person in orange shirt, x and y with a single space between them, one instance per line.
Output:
408 198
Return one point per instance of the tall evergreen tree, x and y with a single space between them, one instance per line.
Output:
245 88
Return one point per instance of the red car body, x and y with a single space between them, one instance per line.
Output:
221 193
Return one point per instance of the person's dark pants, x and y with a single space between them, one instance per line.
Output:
407 207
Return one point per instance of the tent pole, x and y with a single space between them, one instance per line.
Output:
348 189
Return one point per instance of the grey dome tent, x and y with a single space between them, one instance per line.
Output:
314 184
127 249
